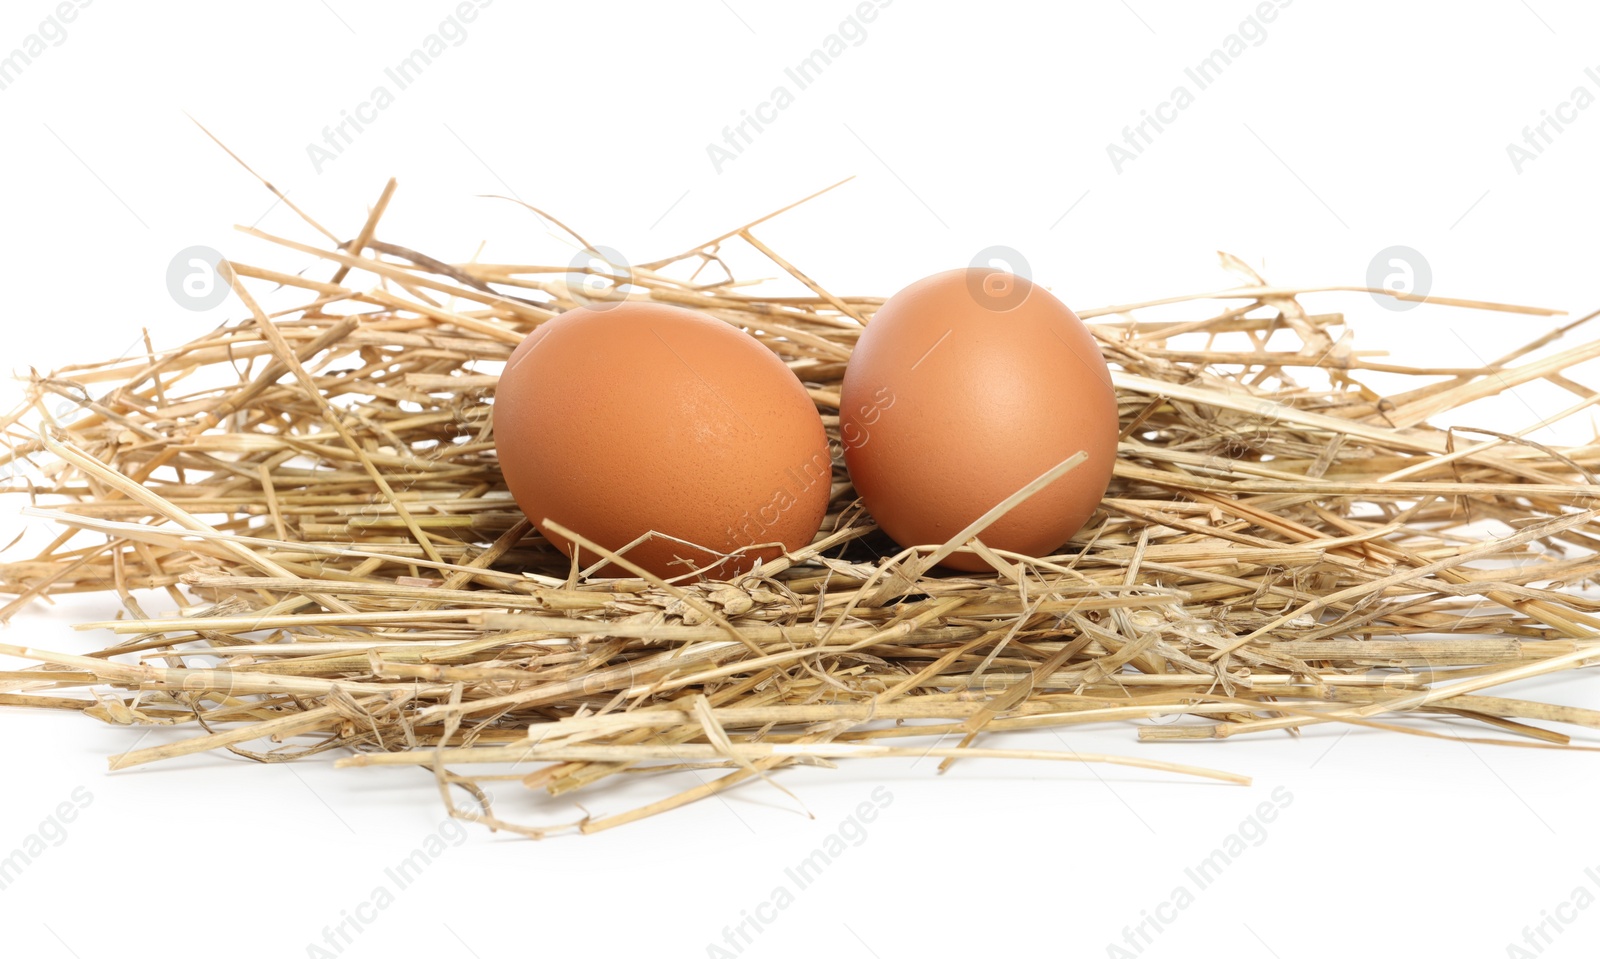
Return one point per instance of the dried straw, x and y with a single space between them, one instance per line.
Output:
316 494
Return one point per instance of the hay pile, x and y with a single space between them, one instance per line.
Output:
316 496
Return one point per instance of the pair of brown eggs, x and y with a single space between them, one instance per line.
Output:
684 443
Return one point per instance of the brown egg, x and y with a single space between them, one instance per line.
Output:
965 387
638 417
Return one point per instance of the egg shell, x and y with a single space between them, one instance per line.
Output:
638 417
964 387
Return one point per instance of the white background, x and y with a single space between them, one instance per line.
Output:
1350 128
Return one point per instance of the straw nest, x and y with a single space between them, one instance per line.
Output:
314 495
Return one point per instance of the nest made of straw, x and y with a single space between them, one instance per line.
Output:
1281 547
